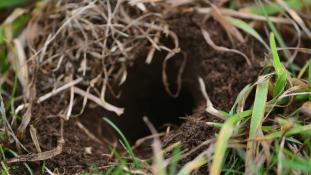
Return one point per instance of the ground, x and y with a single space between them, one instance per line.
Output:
255 108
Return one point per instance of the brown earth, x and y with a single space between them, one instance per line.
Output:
143 94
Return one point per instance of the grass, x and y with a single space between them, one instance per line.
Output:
280 71
221 146
124 142
11 3
273 8
275 31
271 136
246 28
256 121
309 76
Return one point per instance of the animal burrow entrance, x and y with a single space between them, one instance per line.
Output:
143 94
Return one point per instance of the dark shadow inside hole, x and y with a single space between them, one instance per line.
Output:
143 94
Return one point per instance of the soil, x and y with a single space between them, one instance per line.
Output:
143 94
80 152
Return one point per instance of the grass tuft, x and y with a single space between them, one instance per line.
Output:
124 142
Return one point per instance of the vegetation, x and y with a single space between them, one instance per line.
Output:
272 136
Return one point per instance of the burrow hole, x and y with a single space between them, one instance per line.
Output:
143 94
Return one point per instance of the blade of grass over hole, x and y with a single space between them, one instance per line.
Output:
275 31
223 139
247 28
118 157
124 141
280 71
257 117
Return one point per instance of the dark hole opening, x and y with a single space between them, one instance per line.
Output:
143 94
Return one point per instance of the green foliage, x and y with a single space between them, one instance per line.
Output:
273 8
175 157
247 28
221 145
309 77
124 142
275 32
11 3
279 69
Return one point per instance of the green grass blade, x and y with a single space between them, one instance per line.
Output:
25 164
223 139
309 77
124 142
279 84
247 28
118 171
297 129
2 35
275 32
11 3
259 107
175 158
257 117
276 59
275 8
302 165
280 71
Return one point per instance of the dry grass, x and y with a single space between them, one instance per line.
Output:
85 44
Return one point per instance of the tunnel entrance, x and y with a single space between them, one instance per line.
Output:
143 94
